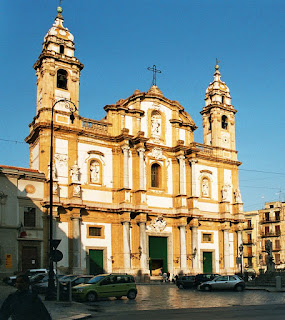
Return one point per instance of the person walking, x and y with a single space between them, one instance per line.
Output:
23 304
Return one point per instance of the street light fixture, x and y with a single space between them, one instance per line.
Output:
51 285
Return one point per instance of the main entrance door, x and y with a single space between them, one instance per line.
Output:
207 262
30 258
96 261
157 255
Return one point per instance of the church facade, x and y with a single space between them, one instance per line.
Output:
134 192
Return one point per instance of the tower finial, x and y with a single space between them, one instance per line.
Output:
59 10
217 64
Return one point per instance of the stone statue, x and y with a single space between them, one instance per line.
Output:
75 173
225 193
95 172
156 124
205 188
237 196
54 172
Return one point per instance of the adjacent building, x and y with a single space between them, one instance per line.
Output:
21 219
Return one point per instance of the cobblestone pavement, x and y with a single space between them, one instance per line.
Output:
155 297
159 297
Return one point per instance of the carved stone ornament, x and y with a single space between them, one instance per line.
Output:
157 225
77 190
61 159
157 153
75 173
226 193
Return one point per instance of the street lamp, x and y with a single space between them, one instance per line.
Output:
241 254
51 286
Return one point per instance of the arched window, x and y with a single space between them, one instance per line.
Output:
223 99
155 123
224 122
155 175
61 48
62 79
95 174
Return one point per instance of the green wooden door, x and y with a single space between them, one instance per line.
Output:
157 254
96 261
207 262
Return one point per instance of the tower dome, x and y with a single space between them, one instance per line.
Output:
218 91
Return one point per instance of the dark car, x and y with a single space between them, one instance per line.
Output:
184 282
203 277
30 272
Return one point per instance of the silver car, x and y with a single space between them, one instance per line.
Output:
230 282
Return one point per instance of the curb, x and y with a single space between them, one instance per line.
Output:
78 317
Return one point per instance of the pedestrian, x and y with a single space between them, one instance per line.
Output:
164 277
23 304
168 276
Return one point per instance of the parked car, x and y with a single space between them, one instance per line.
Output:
230 282
203 277
30 272
106 285
42 286
37 278
185 282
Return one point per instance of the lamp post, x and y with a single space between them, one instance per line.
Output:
51 285
241 254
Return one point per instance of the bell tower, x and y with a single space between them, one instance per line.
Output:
57 70
218 115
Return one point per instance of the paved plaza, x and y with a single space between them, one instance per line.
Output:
169 302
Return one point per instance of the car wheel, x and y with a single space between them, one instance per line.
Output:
207 288
239 288
132 294
91 296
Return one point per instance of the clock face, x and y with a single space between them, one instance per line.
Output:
222 86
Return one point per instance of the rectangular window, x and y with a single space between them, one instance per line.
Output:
266 230
277 215
277 230
249 223
29 217
207 237
277 245
95 231
266 216
277 258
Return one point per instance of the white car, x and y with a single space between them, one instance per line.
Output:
11 280
229 282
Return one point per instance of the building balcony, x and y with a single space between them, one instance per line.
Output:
271 234
275 249
247 242
248 228
248 255
273 220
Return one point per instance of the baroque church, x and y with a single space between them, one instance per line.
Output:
134 192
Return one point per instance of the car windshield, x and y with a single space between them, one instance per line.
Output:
68 278
96 279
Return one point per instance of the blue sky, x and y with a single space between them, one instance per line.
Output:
118 40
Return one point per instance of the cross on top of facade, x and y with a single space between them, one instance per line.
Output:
155 71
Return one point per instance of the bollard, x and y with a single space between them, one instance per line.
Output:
278 283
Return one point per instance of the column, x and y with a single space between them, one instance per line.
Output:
125 149
195 259
239 242
226 250
76 242
127 251
144 266
183 254
194 177
142 168
182 188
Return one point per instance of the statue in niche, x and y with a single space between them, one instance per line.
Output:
156 124
95 172
205 188
237 196
75 173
